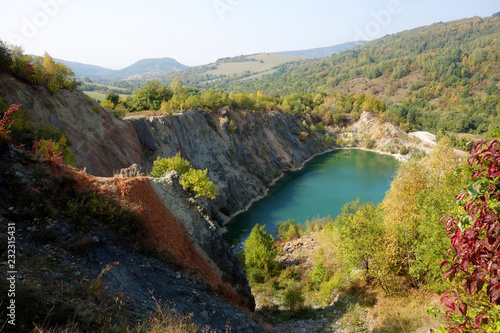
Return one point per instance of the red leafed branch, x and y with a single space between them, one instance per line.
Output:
47 150
6 121
475 238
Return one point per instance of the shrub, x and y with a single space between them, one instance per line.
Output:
404 151
120 111
232 127
293 298
475 248
319 275
48 150
197 181
107 104
175 163
192 179
6 122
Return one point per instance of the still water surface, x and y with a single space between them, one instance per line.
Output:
321 188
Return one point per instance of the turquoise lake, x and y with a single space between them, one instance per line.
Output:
321 188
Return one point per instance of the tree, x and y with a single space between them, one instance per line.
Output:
259 252
360 232
106 103
293 298
150 96
113 98
176 84
290 229
5 59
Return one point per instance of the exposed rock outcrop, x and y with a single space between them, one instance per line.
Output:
370 132
135 170
101 143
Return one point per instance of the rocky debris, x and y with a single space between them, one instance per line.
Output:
299 252
142 278
135 170
369 132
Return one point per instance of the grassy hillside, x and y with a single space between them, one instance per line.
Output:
234 69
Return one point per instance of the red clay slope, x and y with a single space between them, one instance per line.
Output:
163 230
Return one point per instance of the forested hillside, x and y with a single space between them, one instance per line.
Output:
443 76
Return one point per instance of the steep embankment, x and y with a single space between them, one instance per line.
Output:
70 227
174 224
243 151
101 143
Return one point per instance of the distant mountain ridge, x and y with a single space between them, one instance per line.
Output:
140 69
323 52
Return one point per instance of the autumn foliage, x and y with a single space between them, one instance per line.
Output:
475 246
6 121
48 151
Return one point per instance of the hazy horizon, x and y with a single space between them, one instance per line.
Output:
116 34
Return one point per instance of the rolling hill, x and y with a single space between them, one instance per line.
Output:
82 70
428 51
141 69
323 52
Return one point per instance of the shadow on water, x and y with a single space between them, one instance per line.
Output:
321 188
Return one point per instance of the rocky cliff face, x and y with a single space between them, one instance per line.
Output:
244 152
101 143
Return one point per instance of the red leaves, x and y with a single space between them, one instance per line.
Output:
47 150
476 243
6 121
494 295
449 301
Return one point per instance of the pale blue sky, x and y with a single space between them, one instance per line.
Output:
116 33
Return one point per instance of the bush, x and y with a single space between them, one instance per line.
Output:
192 179
404 151
6 122
319 275
197 181
48 150
175 163
293 298
120 111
